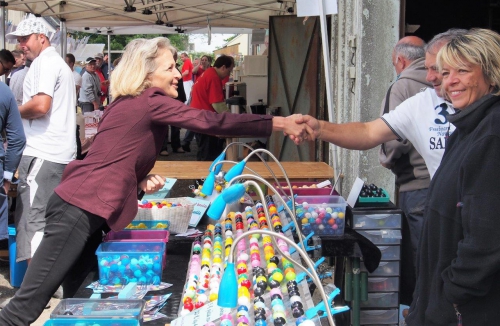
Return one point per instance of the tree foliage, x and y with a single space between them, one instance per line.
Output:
118 42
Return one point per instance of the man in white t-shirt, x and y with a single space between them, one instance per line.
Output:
70 60
49 121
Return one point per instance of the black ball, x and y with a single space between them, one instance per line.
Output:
262 285
274 259
257 291
297 312
273 284
297 305
279 321
258 299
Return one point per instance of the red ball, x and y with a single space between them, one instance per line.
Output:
246 283
198 305
189 306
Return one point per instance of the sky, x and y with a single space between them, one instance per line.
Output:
201 41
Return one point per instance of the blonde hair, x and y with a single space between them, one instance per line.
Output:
132 76
479 47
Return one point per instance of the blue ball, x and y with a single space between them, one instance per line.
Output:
157 267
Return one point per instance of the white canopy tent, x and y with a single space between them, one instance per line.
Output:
161 16
169 16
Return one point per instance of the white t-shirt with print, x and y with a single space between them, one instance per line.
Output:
422 119
78 78
53 136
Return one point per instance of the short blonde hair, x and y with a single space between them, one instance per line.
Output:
479 47
131 76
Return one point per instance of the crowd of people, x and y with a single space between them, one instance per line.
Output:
441 111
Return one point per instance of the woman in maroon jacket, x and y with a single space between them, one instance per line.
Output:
102 188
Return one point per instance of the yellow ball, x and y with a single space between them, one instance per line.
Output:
341 215
278 277
212 297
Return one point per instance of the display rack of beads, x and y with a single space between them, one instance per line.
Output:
217 267
244 284
289 270
259 275
189 296
227 319
275 276
206 262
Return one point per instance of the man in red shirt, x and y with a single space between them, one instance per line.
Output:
104 83
187 74
199 69
208 94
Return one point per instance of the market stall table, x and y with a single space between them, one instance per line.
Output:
199 169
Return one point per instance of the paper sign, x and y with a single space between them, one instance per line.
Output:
354 194
199 209
201 316
311 7
163 192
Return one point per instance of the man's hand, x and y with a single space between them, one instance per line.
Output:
313 126
152 183
309 126
297 132
6 186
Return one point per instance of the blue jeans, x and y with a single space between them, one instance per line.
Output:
66 236
413 205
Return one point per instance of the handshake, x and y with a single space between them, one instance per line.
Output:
300 128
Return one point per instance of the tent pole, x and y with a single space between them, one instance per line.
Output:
109 51
328 77
64 38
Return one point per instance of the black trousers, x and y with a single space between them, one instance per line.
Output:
66 236
209 147
175 139
87 107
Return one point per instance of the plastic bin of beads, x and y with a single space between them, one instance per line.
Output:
372 317
138 235
142 236
148 225
383 284
382 237
390 252
121 310
381 300
90 322
370 200
177 211
306 189
325 215
385 268
124 262
377 221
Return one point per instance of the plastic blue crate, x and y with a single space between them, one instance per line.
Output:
148 225
90 322
123 262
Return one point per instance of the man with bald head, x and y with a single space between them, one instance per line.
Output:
408 166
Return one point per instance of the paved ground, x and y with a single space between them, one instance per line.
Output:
180 189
